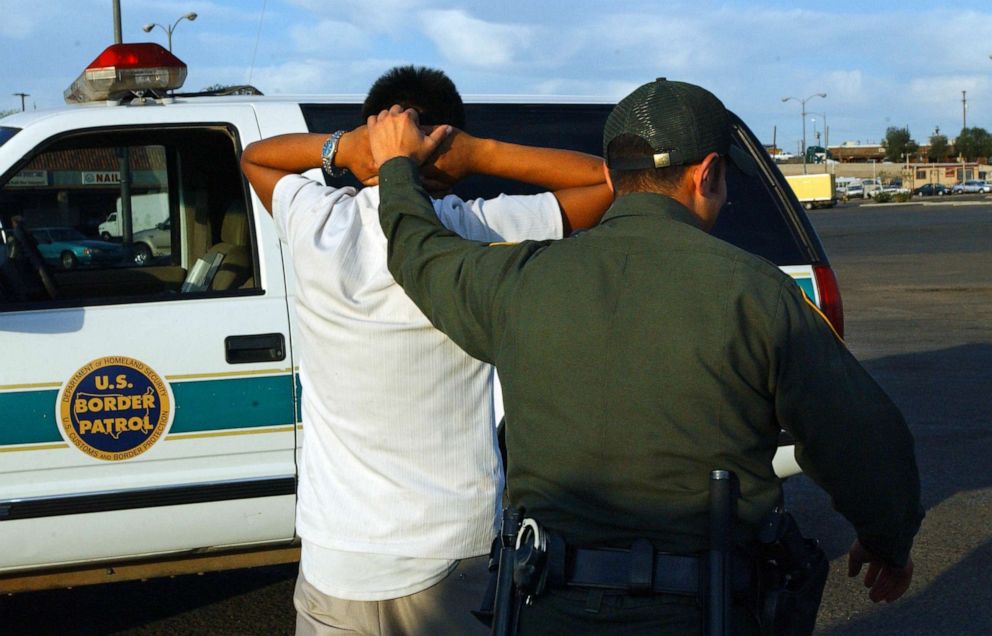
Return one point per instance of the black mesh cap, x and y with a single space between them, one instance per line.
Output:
681 122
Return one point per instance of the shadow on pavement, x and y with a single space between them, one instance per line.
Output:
946 397
212 603
956 602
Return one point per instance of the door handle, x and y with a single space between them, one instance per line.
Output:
259 347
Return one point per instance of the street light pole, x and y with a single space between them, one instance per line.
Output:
169 29
803 104
964 109
22 96
826 139
118 38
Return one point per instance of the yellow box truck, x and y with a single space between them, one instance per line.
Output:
814 190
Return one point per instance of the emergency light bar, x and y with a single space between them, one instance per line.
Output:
125 69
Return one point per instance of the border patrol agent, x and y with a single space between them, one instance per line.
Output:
639 356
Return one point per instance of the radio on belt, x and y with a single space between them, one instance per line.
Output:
123 70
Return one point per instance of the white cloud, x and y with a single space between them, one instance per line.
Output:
376 16
23 22
330 37
141 12
473 42
313 76
299 77
844 85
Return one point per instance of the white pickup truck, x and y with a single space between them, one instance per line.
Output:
147 211
151 420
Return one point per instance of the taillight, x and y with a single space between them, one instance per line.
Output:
830 302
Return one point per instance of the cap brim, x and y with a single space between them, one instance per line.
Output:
742 160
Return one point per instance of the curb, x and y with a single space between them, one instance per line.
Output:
941 204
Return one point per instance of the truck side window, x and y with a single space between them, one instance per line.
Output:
572 126
127 216
752 219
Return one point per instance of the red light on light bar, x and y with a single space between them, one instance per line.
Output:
140 55
126 69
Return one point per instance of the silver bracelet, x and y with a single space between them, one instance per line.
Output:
327 155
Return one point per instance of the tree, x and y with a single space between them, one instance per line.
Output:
973 143
939 148
4 113
230 89
898 144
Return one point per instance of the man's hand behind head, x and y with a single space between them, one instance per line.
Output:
396 133
355 155
452 161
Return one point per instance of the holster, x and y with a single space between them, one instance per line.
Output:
793 572
501 603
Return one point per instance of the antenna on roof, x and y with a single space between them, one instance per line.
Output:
258 36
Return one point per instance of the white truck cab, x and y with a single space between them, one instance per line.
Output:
150 406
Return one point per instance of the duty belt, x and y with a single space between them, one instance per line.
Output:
544 560
642 570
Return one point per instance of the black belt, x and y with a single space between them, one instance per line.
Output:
643 570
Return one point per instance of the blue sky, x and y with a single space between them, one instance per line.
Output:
880 63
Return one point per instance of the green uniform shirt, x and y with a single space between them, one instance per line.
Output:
640 355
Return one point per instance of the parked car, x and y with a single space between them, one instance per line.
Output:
153 243
871 186
932 189
972 186
68 248
892 189
855 191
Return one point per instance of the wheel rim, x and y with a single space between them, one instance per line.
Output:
141 254
68 260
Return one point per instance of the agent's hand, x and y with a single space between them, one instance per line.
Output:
396 133
884 582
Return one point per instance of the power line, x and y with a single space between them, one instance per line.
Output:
258 36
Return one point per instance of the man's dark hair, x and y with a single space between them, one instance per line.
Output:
427 90
661 180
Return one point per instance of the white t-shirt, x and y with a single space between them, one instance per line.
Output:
400 473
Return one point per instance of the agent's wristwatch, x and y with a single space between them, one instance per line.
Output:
327 155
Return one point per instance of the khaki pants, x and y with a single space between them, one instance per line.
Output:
444 608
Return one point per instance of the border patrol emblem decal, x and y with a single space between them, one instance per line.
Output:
115 408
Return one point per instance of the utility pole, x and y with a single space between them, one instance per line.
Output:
22 96
964 110
118 38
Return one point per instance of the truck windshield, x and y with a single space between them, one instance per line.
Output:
6 132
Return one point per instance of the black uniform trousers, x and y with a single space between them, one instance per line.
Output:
578 611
